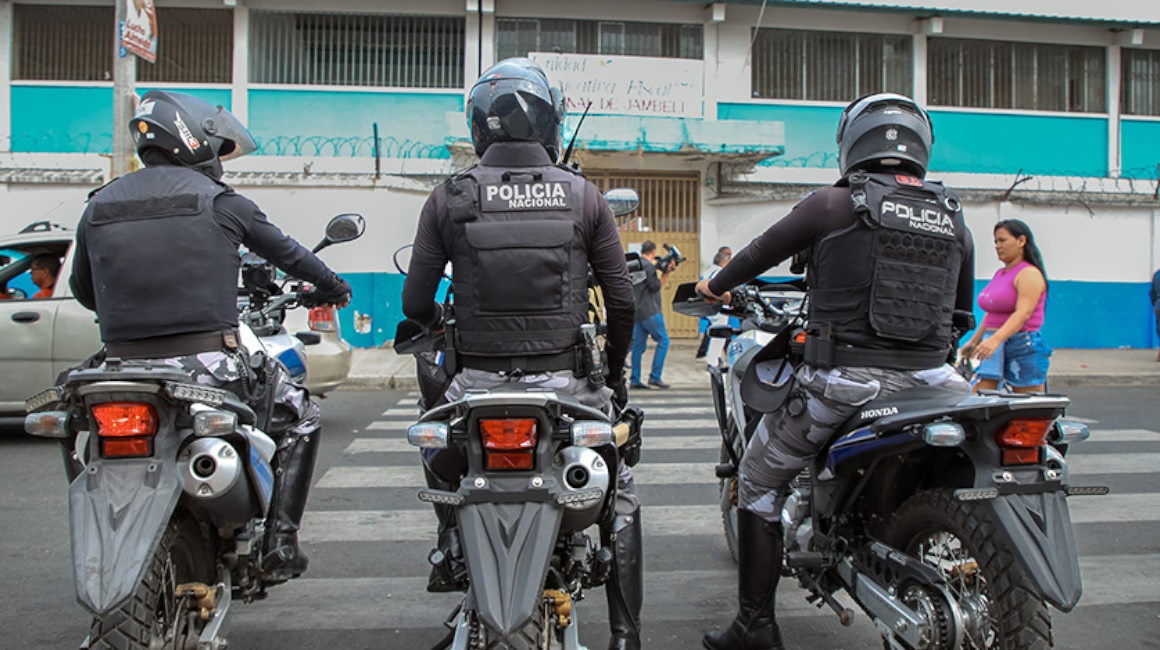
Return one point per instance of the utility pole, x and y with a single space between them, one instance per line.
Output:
124 97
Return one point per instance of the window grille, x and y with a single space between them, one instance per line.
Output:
1027 76
1140 84
75 43
193 46
829 66
519 36
356 50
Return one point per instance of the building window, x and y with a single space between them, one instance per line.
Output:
829 66
519 36
1140 86
1027 76
75 43
356 50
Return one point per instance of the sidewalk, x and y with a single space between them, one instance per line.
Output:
382 369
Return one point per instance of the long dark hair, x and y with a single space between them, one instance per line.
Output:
1030 251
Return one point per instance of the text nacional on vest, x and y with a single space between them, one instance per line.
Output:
921 217
545 195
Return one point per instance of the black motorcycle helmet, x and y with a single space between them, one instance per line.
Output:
884 131
513 101
189 130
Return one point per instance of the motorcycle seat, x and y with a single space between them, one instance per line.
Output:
919 398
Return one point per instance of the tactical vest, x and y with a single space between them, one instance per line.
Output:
901 295
161 264
519 262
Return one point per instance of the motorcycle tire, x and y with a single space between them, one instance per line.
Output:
183 555
727 491
982 573
528 637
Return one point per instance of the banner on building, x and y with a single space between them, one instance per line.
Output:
139 31
627 85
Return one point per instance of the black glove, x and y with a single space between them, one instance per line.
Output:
619 390
338 294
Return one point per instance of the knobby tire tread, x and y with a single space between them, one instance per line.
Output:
130 626
1022 617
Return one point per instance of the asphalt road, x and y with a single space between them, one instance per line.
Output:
368 538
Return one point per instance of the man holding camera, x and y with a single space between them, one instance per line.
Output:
649 319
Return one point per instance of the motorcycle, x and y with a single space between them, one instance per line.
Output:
943 515
529 471
761 310
541 469
168 511
266 296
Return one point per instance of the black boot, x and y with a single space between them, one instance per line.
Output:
758 570
283 559
448 572
625 587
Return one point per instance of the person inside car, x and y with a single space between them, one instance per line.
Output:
44 270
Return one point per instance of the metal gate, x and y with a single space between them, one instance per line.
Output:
670 213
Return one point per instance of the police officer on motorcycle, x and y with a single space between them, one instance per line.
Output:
522 233
157 259
889 259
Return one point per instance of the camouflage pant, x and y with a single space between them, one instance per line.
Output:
294 412
563 381
784 444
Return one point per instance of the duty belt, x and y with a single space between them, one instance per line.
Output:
567 360
828 354
174 345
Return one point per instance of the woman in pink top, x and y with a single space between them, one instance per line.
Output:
1012 352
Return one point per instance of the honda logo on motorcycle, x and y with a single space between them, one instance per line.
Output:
873 414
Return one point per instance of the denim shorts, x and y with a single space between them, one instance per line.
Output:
1021 361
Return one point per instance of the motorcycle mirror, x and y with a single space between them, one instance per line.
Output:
622 200
342 228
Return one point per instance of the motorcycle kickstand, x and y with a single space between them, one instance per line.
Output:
845 614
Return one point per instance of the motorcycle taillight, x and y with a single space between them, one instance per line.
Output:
125 429
508 443
1022 441
322 319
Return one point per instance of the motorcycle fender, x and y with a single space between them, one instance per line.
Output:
117 514
508 548
1037 530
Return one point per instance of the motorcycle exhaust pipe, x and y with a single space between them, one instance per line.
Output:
213 474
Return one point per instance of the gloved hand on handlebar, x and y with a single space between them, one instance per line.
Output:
704 291
338 295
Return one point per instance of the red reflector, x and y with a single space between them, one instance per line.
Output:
122 419
322 319
1021 456
1022 441
126 447
1023 433
500 460
508 434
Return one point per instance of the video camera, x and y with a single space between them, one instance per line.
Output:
674 256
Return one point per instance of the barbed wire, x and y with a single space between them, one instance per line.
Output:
350 147
300 145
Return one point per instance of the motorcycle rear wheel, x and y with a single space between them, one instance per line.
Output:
959 540
183 555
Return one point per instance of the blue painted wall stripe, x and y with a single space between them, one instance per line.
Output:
1037 144
1089 314
1140 148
